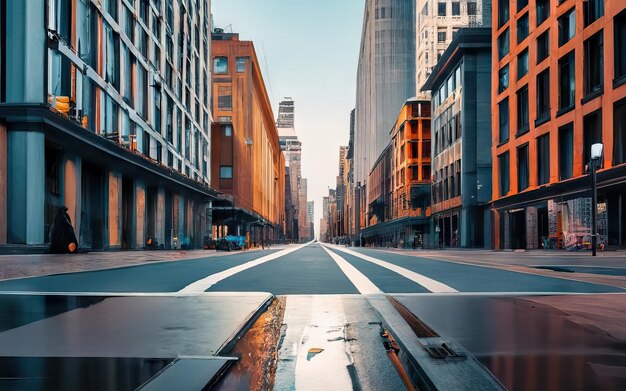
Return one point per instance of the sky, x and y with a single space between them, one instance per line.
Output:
308 50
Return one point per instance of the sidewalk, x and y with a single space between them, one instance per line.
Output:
578 264
33 265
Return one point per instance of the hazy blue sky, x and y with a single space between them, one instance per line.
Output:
308 50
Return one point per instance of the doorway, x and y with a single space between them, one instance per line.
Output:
92 205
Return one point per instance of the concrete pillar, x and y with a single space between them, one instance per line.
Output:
181 220
3 184
115 208
140 205
159 233
72 190
26 186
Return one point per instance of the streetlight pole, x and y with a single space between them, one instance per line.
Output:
596 155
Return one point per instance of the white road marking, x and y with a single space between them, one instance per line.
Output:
207 282
358 279
428 283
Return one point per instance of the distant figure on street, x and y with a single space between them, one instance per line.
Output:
62 237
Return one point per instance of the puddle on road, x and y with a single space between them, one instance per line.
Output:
258 352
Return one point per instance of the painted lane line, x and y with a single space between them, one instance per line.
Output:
207 282
428 283
364 285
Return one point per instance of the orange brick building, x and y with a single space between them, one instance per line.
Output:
246 160
558 86
399 183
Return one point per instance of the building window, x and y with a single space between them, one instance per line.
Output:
503 78
543 159
522 168
241 64
620 45
471 8
441 9
441 36
566 151
522 110
543 11
592 134
567 26
543 46
504 177
503 110
426 173
224 98
220 65
141 93
503 12
566 81
522 28
226 172
522 64
129 25
157 110
521 4
593 10
456 8
543 95
112 63
415 172
228 130
619 132
503 44
594 63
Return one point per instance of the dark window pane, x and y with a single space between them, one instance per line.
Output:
522 64
593 9
503 110
566 151
456 8
594 63
592 134
521 4
522 110
543 95
543 159
504 78
567 26
566 81
441 9
543 46
503 12
471 8
226 172
522 168
619 132
522 28
503 44
220 65
543 11
503 166
620 45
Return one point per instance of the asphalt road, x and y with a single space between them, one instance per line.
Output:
309 270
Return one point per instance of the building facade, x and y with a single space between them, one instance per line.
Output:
247 162
105 109
461 164
385 79
437 24
559 85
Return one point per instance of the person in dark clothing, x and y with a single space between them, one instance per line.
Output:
62 237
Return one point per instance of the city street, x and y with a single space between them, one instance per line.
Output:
329 305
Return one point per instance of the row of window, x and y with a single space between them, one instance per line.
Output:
455 8
220 65
447 183
592 134
592 9
447 130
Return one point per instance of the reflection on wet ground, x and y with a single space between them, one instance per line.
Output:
536 342
73 373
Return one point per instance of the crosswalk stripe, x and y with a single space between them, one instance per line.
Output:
358 279
428 283
207 282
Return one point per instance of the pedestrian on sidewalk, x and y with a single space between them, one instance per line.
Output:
62 236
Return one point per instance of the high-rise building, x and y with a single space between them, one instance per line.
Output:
310 210
437 24
303 216
247 160
106 111
558 87
385 77
461 129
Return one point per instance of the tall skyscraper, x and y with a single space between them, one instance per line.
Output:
436 25
385 77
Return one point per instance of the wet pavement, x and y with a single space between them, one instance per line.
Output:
519 325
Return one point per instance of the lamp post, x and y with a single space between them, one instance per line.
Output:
596 155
